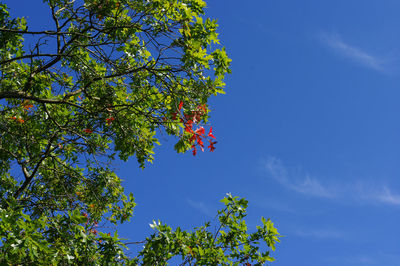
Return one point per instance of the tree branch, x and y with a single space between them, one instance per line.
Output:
30 56
28 178
22 95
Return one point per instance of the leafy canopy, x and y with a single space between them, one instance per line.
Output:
97 85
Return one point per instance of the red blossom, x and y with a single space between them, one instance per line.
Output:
188 129
202 107
28 106
201 110
200 131
174 115
197 115
189 126
211 146
194 150
180 105
193 138
210 134
110 120
86 216
200 142
88 130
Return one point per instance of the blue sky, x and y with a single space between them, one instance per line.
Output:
308 132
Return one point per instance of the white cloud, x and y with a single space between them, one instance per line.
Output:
361 191
361 259
200 206
319 233
387 196
355 54
374 193
311 186
305 185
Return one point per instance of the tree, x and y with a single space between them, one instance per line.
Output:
101 83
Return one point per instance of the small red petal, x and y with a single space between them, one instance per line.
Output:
192 138
210 134
188 129
200 142
211 146
202 107
27 107
200 131
194 151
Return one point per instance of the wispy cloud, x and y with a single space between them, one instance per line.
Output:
361 259
201 207
357 55
319 234
388 197
306 185
362 191
377 258
383 195
371 192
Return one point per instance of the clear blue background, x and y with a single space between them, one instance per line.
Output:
308 131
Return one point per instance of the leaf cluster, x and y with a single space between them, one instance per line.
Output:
229 243
104 82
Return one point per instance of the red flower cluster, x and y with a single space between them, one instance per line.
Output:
28 106
110 120
197 136
88 130
19 120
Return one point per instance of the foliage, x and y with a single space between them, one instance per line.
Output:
74 239
230 244
100 83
